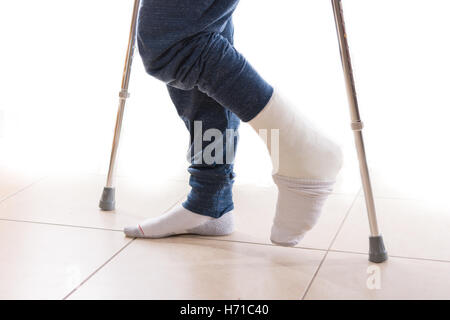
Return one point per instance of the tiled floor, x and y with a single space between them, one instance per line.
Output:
55 244
13 181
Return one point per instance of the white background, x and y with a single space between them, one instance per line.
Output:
61 65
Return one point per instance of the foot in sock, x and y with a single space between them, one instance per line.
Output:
179 220
304 171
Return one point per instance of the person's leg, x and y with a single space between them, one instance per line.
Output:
211 180
211 183
305 172
181 44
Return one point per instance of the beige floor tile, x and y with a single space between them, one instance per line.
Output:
12 181
351 276
255 208
187 268
74 201
39 261
411 228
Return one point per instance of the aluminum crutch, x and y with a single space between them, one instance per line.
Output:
377 251
107 201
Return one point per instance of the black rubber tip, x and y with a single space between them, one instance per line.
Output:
108 199
377 251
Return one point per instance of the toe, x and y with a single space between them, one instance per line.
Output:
133 232
286 243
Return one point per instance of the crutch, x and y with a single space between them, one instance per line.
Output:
107 201
377 251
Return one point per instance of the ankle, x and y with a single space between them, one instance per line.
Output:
298 149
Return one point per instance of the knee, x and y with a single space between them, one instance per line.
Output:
174 59
152 42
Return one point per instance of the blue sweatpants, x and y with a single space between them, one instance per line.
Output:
188 44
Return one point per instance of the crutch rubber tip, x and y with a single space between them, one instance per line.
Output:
108 199
377 251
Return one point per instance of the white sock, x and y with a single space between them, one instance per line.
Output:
305 172
179 220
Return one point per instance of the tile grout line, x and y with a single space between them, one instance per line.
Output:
208 238
60 225
357 196
9 196
344 220
226 240
309 248
249 242
329 247
193 236
393 256
76 226
314 276
112 257
98 269
419 259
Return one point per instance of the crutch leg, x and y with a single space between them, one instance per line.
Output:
377 251
107 201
